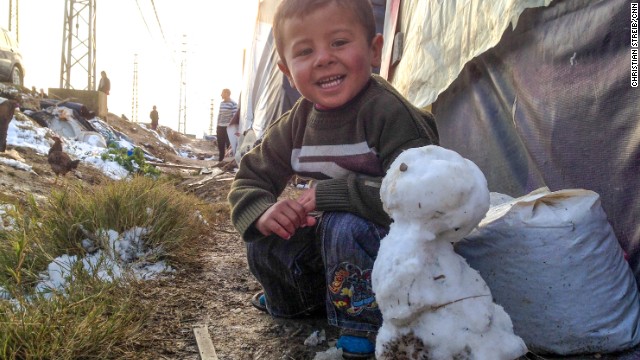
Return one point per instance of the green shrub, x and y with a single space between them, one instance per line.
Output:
133 162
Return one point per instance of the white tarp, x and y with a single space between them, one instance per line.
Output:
261 75
441 36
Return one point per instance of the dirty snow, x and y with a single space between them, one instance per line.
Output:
126 251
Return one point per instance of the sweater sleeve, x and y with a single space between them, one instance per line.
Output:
262 176
357 194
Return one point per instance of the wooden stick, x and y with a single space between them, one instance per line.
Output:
175 165
205 345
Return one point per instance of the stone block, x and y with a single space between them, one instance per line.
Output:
95 101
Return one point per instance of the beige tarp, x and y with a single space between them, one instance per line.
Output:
441 36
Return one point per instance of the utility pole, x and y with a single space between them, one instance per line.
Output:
13 19
134 99
182 111
211 123
79 43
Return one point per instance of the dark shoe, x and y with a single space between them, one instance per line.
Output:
356 347
259 301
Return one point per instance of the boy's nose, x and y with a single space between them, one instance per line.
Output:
324 58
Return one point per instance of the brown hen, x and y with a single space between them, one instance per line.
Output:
60 162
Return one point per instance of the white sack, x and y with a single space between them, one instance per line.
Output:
553 262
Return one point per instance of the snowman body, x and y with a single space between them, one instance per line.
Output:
434 306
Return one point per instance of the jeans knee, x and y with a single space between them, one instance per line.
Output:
345 233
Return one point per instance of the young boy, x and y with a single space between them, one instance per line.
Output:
342 134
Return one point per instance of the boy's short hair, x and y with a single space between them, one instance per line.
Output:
288 9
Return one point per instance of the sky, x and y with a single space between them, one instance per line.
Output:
210 35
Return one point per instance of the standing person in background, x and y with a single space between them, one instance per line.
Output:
227 110
154 118
105 83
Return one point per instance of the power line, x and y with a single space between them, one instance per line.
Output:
143 19
158 20
166 44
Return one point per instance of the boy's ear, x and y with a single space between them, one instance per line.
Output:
376 49
285 70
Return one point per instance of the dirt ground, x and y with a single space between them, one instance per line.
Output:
215 291
215 288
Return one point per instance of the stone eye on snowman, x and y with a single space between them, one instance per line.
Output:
434 305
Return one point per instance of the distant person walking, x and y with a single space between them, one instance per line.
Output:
105 83
228 108
154 118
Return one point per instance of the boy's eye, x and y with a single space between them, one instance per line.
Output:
340 42
303 52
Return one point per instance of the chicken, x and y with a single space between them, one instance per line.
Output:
60 162
7 108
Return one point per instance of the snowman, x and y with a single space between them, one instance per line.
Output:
434 305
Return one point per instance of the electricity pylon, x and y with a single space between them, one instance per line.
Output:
134 99
211 123
79 43
182 111
13 19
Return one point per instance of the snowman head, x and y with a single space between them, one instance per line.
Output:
436 190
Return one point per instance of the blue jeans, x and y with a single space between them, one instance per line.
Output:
325 266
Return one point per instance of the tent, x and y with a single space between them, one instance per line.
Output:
551 104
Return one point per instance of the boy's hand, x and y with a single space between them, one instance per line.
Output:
284 217
308 199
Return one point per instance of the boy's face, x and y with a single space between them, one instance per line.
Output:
327 57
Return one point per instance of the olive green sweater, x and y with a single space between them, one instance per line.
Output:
346 151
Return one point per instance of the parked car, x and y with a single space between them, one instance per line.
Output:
11 69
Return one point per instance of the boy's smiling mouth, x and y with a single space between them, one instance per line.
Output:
331 81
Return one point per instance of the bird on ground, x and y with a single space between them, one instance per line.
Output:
7 109
60 161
